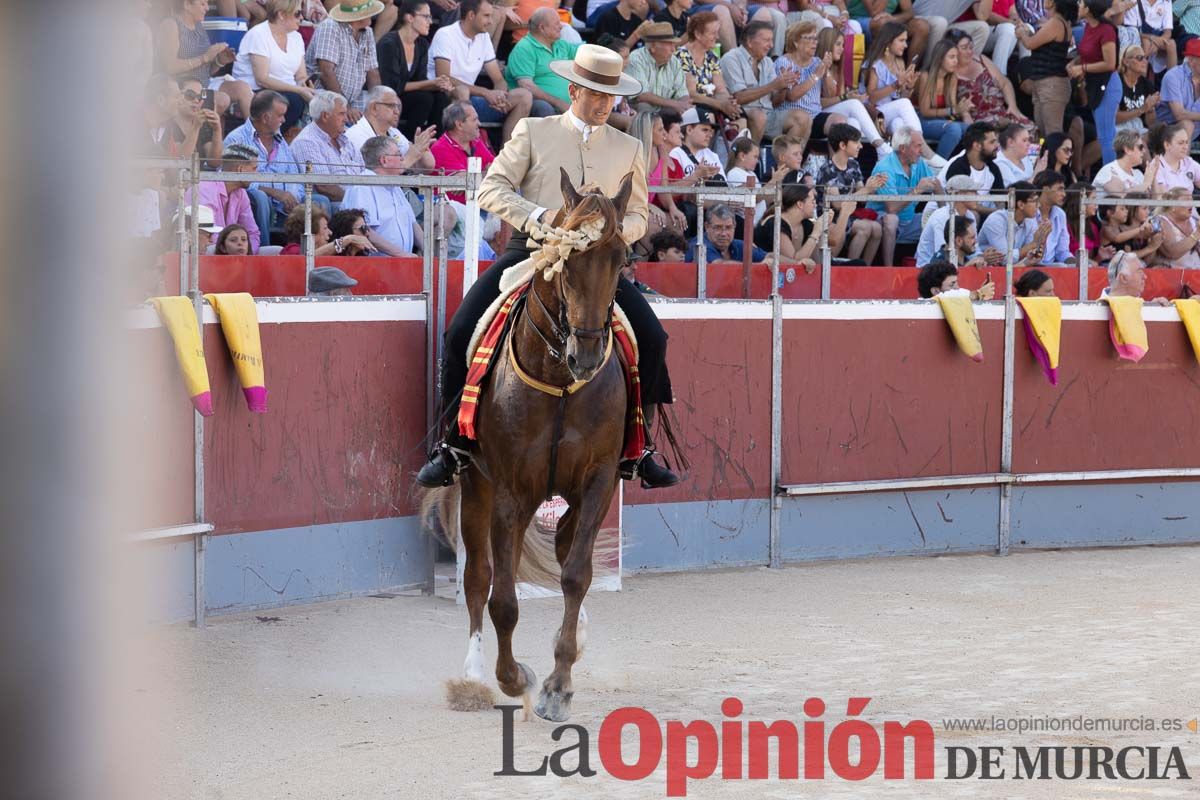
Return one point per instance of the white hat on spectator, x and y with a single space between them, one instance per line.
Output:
960 184
208 220
354 10
599 69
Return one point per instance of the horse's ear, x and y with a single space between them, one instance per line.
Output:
622 198
570 196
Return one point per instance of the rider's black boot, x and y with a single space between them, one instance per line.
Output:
653 474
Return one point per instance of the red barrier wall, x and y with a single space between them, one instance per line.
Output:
721 375
161 423
871 399
1107 413
340 442
343 434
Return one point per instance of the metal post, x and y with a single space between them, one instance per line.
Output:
441 294
951 248
433 335
310 253
748 205
774 554
1083 253
1006 426
778 214
431 331
701 251
182 232
471 254
192 287
826 263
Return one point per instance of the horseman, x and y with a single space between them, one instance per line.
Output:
522 185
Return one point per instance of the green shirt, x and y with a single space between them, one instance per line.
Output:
856 9
531 59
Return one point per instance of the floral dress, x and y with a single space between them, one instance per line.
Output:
988 99
703 73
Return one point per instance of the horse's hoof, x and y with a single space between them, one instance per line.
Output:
554 706
523 685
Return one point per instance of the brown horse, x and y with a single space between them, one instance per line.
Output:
560 337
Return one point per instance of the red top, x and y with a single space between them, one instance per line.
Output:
999 7
449 156
292 249
1094 38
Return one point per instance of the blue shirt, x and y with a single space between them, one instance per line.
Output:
735 251
279 161
1177 87
900 182
994 233
1058 243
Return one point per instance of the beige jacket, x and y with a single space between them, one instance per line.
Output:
525 176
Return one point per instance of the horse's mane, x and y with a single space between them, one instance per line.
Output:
594 204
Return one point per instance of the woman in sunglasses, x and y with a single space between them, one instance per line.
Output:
1124 173
1138 96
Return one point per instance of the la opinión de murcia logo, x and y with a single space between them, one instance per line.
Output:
738 749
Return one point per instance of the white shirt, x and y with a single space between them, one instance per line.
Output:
1013 172
386 210
1112 170
282 64
705 156
933 234
466 56
359 132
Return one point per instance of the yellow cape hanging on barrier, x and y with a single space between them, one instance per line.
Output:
1126 327
1189 312
1043 331
239 322
960 315
179 318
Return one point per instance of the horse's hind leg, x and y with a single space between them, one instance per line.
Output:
574 543
477 576
508 532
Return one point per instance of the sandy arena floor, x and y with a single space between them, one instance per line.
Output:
344 699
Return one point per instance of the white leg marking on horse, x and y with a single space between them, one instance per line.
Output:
473 666
581 632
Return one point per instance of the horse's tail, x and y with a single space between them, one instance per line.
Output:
439 514
539 562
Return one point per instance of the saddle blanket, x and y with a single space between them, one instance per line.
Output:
485 345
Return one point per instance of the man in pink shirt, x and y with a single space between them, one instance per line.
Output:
462 140
228 199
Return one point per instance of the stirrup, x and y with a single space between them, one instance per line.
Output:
444 466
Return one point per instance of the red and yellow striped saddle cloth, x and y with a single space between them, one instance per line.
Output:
483 359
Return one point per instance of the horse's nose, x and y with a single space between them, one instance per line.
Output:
581 365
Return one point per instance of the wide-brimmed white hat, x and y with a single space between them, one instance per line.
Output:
599 69
354 10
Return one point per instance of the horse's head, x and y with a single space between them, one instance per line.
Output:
589 279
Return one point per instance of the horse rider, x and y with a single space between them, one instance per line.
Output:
523 183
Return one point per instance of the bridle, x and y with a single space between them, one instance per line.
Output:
561 330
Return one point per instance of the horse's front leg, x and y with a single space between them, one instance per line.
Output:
508 533
576 540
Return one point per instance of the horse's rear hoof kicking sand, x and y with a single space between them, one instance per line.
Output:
552 420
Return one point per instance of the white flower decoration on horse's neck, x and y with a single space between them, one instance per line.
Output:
557 244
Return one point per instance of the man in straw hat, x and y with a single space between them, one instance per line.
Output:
523 184
658 71
342 52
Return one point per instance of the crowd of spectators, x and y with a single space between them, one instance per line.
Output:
1062 102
